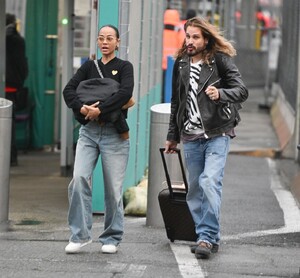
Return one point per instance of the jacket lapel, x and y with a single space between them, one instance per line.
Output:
184 69
206 72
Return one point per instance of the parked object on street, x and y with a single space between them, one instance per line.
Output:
172 200
135 199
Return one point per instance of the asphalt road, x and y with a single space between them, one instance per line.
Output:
260 220
260 234
260 224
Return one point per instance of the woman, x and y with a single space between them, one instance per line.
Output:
97 137
207 91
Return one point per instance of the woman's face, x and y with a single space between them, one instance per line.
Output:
107 40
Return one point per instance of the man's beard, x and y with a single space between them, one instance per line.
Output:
195 51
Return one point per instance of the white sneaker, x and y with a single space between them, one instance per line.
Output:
74 247
109 249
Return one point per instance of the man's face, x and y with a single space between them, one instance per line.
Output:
194 40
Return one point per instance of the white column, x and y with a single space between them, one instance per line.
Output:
66 155
94 29
2 47
297 122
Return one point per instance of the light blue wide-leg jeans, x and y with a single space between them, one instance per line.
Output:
205 162
95 140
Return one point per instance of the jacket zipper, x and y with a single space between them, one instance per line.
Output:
178 114
205 135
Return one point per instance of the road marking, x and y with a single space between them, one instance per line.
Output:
290 209
187 263
286 200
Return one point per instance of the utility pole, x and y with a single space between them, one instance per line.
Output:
248 23
66 154
229 18
5 129
94 28
2 47
297 122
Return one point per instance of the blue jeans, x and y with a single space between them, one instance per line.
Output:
205 161
95 140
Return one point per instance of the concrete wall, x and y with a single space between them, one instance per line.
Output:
284 121
285 110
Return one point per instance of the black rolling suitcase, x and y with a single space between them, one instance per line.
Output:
175 212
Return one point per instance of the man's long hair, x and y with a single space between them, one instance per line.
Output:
216 41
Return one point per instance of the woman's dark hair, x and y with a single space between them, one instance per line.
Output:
113 27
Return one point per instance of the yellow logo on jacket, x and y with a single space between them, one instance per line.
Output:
114 72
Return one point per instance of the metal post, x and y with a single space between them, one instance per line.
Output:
2 47
213 11
248 9
229 20
221 14
5 133
66 155
297 121
94 30
5 129
232 9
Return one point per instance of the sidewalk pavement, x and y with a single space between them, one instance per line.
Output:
256 136
38 202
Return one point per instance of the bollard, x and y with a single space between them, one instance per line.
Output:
5 134
160 114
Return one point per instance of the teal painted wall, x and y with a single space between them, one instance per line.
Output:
139 115
111 17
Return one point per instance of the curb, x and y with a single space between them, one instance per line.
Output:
271 153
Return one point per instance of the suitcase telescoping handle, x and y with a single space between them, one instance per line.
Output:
162 152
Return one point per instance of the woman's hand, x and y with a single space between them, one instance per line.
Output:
91 112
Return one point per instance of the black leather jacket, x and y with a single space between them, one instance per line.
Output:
217 116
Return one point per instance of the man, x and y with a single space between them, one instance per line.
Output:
16 72
207 90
